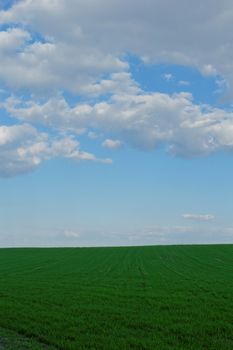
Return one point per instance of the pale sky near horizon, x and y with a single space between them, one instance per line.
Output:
116 122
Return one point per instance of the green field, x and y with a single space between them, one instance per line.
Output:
164 297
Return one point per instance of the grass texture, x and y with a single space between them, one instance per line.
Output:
158 297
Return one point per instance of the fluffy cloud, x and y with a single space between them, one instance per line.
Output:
11 39
23 148
97 33
142 120
198 217
48 62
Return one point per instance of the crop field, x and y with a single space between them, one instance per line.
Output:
164 297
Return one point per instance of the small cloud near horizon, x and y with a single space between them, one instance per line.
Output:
199 217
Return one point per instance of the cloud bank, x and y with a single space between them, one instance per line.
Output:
158 235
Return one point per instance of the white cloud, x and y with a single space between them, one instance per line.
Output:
93 40
199 217
117 83
112 144
88 57
49 66
23 148
72 233
12 38
142 120
54 113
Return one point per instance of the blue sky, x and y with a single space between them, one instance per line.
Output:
116 128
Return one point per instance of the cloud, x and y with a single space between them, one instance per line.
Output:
199 217
35 235
72 233
51 63
112 144
92 42
12 38
142 120
23 148
41 62
160 235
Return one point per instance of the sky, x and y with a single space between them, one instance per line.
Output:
116 122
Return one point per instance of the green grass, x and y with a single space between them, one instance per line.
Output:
168 297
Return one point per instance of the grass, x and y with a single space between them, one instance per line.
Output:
167 297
